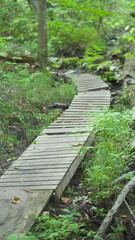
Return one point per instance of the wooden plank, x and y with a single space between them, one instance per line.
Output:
90 89
69 135
87 111
68 130
16 218
26 188
60 141
90 85
29 179
68 115
57 145
68 125
40 167
72 120
89 108
98 94
89 103
61 137
12 175
51 142
50 155
92 96
34 171
42 163
50 184
61 155
62 145
55 149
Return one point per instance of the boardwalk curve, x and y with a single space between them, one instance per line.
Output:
47 165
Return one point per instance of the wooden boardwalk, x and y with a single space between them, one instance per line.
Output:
47 165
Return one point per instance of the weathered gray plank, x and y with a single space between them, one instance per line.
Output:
12 175
16 218
62 166
46 151
60 155
66 125
58 145
67 130
34 171
42 163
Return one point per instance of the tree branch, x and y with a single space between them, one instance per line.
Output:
102 230
123 177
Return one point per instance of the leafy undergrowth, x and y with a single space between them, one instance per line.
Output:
111 155
90 195
24 107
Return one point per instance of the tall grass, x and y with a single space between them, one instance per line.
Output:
111 152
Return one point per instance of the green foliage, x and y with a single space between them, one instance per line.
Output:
118 231
15 237
127 97
93 56
24 103
111 153
18 27
70 191
65 227
72 26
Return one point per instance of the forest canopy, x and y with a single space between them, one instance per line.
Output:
73 27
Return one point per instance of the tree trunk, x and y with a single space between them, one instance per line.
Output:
42 32
33 4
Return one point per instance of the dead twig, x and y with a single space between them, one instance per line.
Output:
129 209
123 177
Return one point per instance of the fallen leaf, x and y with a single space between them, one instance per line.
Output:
77 145
45 213
25 217
55 216
28 190
123 216
16 200
84 201
65 200
9 159
89 192
86 216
